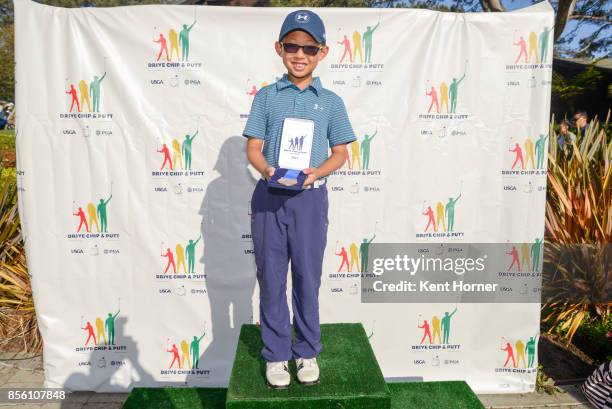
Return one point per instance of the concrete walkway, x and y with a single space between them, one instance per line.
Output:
20 371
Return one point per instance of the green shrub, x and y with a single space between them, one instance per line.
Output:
591 338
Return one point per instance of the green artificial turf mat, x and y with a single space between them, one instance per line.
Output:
176 398
433 395
350 375
350 379
418 395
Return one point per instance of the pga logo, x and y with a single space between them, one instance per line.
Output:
302 17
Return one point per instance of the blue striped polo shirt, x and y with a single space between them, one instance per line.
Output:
275 102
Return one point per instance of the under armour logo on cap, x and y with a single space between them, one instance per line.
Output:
302 18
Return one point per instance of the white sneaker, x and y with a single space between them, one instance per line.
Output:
277 374
307 370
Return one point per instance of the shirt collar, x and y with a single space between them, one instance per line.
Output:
284 82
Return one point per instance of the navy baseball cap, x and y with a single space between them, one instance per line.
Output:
304 20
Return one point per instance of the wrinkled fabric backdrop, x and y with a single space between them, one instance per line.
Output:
137 232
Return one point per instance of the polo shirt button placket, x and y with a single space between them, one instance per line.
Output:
299 104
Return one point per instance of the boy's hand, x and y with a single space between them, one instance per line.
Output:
312 173
269 172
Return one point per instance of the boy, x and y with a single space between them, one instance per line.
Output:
292 224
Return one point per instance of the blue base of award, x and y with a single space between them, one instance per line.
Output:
288 176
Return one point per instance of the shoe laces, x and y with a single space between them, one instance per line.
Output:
309 362
279 366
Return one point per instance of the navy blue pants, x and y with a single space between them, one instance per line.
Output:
289 225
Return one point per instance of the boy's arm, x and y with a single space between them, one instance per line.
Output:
256 158
334 162
255 131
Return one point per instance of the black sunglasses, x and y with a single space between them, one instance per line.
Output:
308 49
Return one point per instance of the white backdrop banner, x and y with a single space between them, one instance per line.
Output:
134 189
